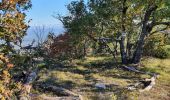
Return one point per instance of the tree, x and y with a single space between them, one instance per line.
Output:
12 24
119 21
12 30
39 31
64 47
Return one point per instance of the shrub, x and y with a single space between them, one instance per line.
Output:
64 47
161 52
155 46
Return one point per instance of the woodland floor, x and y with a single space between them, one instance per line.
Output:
81 77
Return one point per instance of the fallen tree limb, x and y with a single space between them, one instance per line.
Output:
133 69
45 97
147 83
31 77
151 83
60 91
24 93
67 94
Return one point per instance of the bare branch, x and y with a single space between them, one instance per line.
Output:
162 23
159 30
148 13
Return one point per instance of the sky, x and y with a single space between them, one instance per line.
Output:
42 11
41 14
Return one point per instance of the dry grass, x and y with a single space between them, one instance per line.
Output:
81 78
161 90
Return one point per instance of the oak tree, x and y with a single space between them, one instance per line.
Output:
126 22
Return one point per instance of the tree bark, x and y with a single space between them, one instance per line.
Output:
122 51
139 49
146 29
122 41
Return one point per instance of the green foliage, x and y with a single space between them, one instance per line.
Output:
155 46
97 19
161 52
23 62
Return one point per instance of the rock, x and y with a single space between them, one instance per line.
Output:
100 85
23 98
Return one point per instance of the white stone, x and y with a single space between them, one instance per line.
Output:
100 85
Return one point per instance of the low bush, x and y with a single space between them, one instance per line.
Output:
155 46
161 52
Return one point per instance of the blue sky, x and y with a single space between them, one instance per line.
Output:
42 11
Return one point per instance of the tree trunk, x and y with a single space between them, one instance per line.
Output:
146 29
122 41
122 51
84 49
139 49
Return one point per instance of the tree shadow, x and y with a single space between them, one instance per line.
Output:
88 70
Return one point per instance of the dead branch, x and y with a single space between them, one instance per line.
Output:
147 83
60 91
24 93
45 97
151 83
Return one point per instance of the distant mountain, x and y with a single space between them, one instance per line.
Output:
31 32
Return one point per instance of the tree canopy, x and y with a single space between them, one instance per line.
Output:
123 21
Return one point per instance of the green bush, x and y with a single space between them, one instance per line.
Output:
155 46
161 52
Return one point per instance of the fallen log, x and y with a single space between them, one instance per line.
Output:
27 85
147 83
25 91
133 69
60 91
151 83
45 97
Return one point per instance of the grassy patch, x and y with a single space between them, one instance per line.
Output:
162 89
82 76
